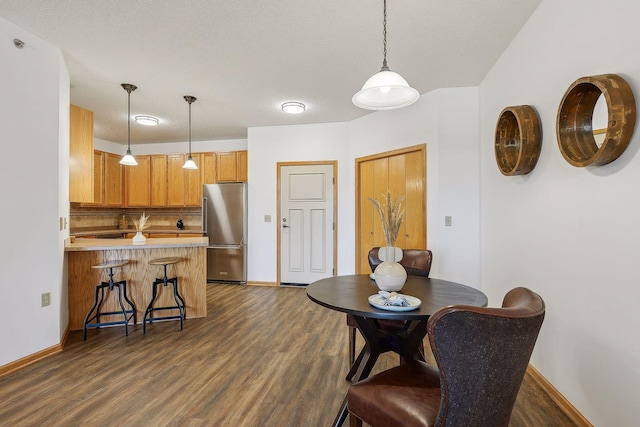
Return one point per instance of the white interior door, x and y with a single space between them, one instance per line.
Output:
306 223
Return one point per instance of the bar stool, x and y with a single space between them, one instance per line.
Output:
180 305
94 314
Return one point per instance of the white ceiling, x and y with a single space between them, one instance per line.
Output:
243 58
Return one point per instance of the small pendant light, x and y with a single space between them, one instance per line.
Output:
190 164
128 158
385 90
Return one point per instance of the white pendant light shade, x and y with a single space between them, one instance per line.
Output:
128 159
385 90
190 164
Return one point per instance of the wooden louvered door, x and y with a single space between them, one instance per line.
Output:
402 173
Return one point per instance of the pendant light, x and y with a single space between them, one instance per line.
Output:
190 164
385 90
128 158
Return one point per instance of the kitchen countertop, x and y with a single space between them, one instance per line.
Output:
101 231
152 243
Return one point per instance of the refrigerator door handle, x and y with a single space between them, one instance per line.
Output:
204 215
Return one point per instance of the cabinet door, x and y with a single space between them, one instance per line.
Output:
80 155
193 183
208 168
227 164
175 175
98 177
138 182
241 166
159 180
113 180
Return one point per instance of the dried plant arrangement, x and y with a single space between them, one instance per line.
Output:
141 223
391 215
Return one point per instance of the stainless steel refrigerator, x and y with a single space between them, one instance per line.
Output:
224 220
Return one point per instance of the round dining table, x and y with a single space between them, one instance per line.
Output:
351 294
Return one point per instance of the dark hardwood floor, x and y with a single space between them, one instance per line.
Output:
264 356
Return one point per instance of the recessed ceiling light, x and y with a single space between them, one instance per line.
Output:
293 107
146 120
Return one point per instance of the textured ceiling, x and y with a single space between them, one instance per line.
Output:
244 58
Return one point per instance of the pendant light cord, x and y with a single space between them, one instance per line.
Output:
190 129
129 120
384 37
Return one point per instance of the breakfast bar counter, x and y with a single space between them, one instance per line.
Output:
139 274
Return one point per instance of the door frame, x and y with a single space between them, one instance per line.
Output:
279 166
422 148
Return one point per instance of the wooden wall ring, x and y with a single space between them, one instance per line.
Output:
518 140
574 127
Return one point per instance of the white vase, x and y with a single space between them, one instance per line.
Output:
139 239
390 276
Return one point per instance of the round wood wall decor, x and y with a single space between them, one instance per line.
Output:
518 140
574 122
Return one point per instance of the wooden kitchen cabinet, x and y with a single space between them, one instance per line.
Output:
138 182
208 168
193 182
184 185
80 155
113 180
231 166
158 180
175 180
242 166
98 177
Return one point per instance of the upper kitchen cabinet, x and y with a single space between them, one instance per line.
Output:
138 182
158 180
184 185
80 155
231 166
208 168
98 177
113 180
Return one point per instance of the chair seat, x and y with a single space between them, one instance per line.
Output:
416 406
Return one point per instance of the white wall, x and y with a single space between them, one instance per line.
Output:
34 115
437 119
571 234
170 147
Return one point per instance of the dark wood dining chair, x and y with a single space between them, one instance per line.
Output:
417 262
482 355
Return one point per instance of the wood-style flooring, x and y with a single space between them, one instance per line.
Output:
264 356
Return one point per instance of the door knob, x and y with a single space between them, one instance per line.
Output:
285 226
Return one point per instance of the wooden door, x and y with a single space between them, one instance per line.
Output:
402 173
138 182
159 180
113 180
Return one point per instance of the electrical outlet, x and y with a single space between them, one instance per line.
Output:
447 221
61 223
46 299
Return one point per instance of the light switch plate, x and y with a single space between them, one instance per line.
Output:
267 218
447 221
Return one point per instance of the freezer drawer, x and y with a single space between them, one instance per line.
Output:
226 264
